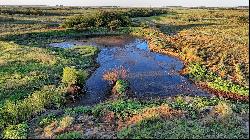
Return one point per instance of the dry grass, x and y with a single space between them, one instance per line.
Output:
163 111
57 127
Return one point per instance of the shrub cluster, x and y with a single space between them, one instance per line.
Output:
71 76
109 19
142 12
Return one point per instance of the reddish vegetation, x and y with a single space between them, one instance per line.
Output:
116 73
163 111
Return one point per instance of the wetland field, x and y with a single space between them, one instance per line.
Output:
124 73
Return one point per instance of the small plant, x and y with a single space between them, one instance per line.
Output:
117 73
78 110
47 120
66 122
197 72
121 86
71 76
70 135
19 131
221 110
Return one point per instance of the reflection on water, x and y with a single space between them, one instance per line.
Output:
150 74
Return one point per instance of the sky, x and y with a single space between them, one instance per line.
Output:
131 3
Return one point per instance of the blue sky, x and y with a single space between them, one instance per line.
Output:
153 3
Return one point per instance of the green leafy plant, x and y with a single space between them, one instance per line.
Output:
47 120
121 86
19 131
72 76
78 110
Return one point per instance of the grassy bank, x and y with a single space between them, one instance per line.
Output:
31 78
176 117
214 50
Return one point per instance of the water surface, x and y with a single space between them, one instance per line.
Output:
150 74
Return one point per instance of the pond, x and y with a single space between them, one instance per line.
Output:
151 75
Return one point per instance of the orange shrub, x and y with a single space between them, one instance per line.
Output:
116 73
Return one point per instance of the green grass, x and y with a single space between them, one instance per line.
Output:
200 73
31 73
183 129
31 78
44 121
19 131
26 69
194 124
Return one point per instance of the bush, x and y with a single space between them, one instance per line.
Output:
80 22
19 131
72 76
107 19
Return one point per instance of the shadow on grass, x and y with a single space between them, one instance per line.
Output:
14 21
42 39
175 29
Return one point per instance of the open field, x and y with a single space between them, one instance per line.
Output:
38 82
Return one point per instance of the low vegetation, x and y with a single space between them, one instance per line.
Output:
109 19
19 131
30 79
120 86
35 79
174 117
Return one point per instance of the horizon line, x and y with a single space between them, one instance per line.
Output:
60 5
